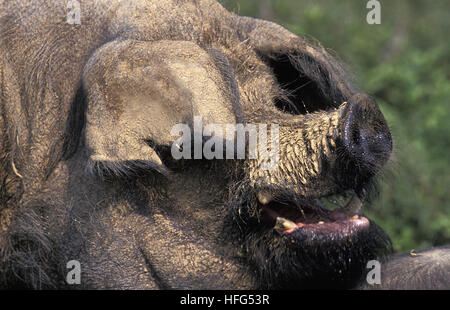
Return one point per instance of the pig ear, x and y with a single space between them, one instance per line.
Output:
307 70
137 92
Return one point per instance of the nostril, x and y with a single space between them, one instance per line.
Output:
355 140
365 133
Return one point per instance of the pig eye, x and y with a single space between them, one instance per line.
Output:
302 92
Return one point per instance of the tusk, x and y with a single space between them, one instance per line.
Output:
283 224
353 206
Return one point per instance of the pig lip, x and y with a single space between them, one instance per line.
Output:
312 219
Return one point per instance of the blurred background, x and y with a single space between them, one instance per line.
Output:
404 62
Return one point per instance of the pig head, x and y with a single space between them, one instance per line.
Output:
88 170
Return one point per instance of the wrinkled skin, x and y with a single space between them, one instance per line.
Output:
86 167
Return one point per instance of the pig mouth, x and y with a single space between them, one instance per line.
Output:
335 216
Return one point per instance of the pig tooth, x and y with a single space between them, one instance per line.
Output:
321 222
353 206
283 224
264 197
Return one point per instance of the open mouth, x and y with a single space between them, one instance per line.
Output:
337 215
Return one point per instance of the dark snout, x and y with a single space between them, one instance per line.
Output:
366 138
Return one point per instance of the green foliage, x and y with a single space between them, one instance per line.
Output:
404 62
